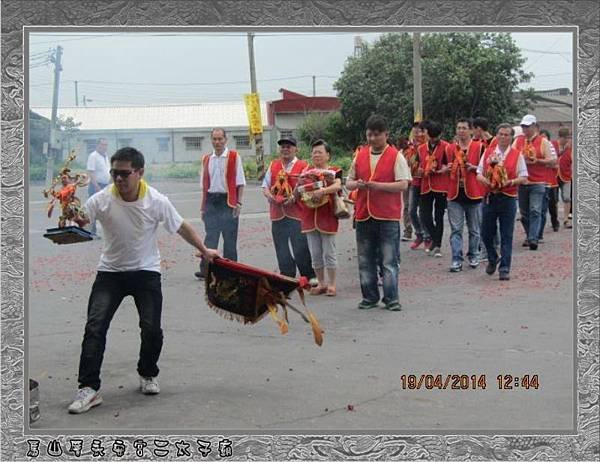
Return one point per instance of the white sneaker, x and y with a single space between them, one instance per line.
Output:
314 282
85 399
149 385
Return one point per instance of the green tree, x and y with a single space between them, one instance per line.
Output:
329 127
464 75
69 129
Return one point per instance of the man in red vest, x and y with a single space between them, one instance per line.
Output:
481 133
501 169
565 161
418 137
464 195
434 185
379 173
222 184
286 216
549 204
537 153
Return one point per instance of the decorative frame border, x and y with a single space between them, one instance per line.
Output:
583 14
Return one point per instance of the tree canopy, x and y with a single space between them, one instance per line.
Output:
463 75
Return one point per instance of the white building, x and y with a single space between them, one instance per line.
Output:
164 133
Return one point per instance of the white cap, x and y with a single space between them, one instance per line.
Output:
528 120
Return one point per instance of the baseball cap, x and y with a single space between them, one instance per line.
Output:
288 139
528 120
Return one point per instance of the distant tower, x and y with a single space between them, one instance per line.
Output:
358 46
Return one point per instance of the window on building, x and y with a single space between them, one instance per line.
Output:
193 143
242 141
286 133
90 145
163 144
124 142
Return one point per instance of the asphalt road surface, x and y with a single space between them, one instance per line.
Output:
220 375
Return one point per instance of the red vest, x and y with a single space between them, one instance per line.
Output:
434 181
230 177
412 159
296 209
565 161
510 164
473 188
485 144
537 173
380 205
322 218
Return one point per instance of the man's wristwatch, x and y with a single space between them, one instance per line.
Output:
239 203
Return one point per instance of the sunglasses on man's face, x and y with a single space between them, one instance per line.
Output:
122 173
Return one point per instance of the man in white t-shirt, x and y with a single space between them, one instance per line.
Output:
98 169
130 212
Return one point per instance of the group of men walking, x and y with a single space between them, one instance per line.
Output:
482 179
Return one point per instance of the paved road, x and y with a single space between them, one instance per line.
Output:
220 375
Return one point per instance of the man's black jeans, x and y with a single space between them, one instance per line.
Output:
428 211
285 232
108 292
219 220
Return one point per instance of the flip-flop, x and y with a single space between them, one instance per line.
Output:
318 290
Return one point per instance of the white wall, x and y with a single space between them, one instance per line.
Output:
146 142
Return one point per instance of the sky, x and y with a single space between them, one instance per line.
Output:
135 68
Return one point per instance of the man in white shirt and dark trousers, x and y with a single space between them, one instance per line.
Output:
130 211
98 169
500 202
222 183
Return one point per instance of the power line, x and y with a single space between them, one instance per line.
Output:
546 52
101 82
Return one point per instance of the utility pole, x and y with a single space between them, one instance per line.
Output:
417 80
314 85
53 148
358 44
76 95
258 139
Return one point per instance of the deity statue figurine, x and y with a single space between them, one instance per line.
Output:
73 217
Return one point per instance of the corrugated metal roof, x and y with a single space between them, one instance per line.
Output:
553 113
206 115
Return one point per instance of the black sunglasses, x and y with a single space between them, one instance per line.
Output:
122 173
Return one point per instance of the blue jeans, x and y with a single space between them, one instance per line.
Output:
414 195
378 237
502 209
456 216
531 201
108 292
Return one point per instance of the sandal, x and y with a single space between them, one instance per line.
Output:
318 290
331 292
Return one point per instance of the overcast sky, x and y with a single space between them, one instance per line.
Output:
116 68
